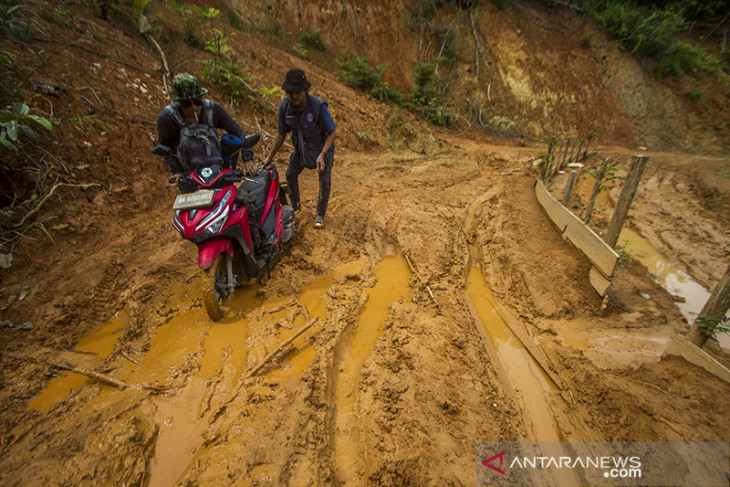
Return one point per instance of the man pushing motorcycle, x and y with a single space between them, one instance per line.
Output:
313 136
190 113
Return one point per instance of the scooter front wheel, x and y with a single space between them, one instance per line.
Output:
215 286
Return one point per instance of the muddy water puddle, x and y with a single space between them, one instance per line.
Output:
676 282
517 368
218 351
392 275
96 345
584 185
303 353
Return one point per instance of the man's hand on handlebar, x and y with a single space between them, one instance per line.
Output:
174 179
248 168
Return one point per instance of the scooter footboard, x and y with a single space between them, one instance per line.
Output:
210 249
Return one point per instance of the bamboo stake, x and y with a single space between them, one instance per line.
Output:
568 141
572 151
569 187
600 172
580 148
624 202
430 293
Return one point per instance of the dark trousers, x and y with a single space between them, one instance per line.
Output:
295 168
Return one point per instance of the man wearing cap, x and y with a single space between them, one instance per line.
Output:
313 133
188 103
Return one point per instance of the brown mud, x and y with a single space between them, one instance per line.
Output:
432 238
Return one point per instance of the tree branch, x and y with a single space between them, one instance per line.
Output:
50 193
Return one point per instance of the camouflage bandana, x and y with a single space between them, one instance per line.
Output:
185 87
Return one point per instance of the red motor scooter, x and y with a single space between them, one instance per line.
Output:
238 230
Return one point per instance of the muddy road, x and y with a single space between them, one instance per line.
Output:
410 294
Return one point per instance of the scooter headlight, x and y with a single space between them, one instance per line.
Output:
218 215
216 226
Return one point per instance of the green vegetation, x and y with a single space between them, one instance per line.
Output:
272 95
446 39
357 71
223 67
712 327
234 20
603 174
13 22
425 99
191 25
9 68
139 6
588 36
15 123
312 40
426 95
300 50
422 13
654 31
624 255
274 29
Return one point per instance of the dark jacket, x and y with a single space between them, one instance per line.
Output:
313 129
168 131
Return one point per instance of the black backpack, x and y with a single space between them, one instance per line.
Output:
199 144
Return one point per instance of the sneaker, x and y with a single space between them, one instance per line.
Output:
296 206
319 222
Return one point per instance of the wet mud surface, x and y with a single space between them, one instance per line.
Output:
411 294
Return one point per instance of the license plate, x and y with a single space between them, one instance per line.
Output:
199 199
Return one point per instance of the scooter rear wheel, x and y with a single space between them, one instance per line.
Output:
215 286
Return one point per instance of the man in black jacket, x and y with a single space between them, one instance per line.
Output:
190 109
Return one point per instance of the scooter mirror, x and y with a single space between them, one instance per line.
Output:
161 150
250 141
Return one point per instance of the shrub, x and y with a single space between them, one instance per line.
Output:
446 36
312 40
652 32
274 29
15 122
234 20
426 95
358 72
16 28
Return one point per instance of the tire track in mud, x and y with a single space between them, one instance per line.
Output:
529 386
392 275
105 291
220 359
255 411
